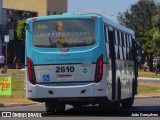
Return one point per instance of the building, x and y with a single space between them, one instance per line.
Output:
14 10
42 7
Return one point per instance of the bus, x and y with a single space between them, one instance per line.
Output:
80 59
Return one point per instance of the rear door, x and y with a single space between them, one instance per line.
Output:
113 64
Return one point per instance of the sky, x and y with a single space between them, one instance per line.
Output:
108 8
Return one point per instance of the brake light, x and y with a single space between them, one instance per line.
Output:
99 69
33 18
64 50
94 17
30 91
31 73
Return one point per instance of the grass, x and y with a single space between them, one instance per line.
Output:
148 89
18 93
148 74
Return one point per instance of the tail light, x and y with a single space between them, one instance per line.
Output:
34 19
99 69
94 17
31 73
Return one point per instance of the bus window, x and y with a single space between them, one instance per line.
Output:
110 38
130 41
124 53
123 46
127 47
116 52
107 42
131 53
121 52
120 47
124 39
127 41
116 37
120 39
64 33
106 33
128 53
116 45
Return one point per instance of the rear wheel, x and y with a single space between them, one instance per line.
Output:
117 103
127 103
54 107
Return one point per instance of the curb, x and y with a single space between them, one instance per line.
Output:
145 78
17 104
18 75
1 104
34 103
144 97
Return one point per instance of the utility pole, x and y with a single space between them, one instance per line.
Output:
6 39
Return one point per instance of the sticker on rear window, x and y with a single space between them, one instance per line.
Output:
46 78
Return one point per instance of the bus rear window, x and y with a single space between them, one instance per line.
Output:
64 33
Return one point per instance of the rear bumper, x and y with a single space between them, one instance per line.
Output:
51 92
73 100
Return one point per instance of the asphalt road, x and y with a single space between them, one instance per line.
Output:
141 107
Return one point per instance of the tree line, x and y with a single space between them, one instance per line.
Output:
144 18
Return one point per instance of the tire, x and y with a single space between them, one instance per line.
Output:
115 105
54 107
118 102
134 88
127 103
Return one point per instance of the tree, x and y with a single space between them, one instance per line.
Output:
156 35
140 19
21 29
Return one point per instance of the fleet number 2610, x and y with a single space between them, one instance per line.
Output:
61 69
